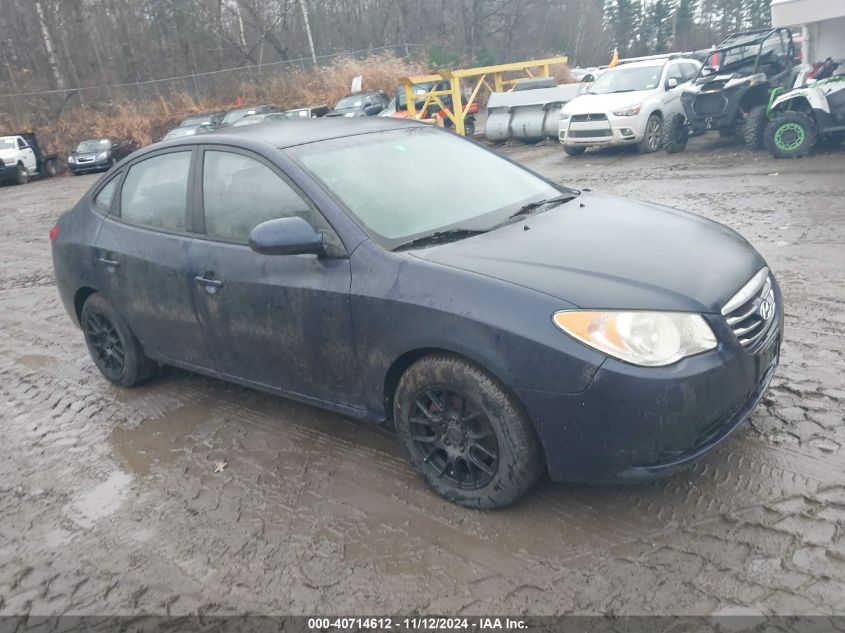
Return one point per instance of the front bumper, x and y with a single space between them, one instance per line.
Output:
635 423
603 129
97 165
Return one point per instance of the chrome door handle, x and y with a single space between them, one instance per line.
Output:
109 262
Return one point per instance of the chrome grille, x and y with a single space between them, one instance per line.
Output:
752 312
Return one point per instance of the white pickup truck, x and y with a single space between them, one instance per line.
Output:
21 158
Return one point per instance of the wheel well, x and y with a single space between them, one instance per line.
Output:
394 373
79 300
658 113
754 97
796 104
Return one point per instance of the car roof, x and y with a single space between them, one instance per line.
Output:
645 63
293 132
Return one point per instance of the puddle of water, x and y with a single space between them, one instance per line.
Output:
159 440
102 500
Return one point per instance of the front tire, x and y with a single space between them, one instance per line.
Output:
675 134
790 135
574 150
465 434
22 175
653 138
755 125
112 345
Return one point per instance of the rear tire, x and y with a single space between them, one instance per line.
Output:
790 135
653 138
50 168
755 125
465 434
112 345
22 175
675 134
574 150
469 127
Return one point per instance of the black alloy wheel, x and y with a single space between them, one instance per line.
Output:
116 351
454 438
465 432
104 341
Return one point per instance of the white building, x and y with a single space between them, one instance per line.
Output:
822 25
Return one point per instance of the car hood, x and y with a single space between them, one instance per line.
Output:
606 252
586 103
87 154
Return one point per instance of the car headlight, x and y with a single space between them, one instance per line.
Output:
102 156
71 159
564 115
650 339
633 110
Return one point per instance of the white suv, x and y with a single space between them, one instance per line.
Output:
627 105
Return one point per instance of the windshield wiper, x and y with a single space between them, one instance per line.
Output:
616 92
532 206
439 237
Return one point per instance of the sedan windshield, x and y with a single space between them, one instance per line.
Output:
627 80
93 145
352 102
417 181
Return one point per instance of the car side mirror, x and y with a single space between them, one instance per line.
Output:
671 83
286 236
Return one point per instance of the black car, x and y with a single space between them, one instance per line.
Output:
361 104
97 154
506 326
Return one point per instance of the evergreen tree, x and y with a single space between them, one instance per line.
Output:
684 23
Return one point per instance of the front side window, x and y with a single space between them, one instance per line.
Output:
674 72
689 70
21 144
239 193
388 181
155 192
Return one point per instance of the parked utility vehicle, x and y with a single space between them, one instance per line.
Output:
627 105
731 91
21 158
812 114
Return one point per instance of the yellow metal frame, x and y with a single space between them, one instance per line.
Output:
479 76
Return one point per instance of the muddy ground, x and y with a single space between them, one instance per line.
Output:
110 503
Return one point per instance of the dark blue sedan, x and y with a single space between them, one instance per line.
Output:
395 272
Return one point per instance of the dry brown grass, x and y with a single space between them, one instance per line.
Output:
146 122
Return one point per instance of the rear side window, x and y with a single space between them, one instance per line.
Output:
104 199
239 193
155 192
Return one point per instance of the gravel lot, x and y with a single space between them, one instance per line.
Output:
110 503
